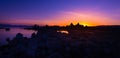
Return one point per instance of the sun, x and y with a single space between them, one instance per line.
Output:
85 24
88 24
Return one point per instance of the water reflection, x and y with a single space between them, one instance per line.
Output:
63 31
11 34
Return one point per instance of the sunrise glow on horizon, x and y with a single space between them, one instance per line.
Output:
60 12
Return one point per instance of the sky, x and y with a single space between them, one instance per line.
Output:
60 12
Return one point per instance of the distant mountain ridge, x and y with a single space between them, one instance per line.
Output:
11 25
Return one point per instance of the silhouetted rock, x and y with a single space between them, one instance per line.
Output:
7 29
71 25
8 40
33 35
92 42
19 36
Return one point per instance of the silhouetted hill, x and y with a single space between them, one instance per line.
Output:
65 42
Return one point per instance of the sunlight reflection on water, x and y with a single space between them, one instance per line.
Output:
63 31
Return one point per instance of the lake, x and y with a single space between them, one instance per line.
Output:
12 33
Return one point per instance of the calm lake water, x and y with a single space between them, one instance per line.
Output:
12 33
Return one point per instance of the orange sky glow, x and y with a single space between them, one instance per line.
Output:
65 18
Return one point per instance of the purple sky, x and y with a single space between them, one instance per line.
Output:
60 12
